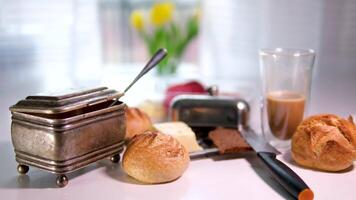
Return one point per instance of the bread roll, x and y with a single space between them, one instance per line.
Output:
325 142
182 132
154 157
137 122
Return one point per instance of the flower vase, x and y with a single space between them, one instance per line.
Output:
168 66
166 75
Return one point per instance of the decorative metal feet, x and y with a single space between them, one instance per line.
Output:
62 180
115 158
22 169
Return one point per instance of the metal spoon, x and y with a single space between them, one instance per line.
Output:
156 58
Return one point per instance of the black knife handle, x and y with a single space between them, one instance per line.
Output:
286 176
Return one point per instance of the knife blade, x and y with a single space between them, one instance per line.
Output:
204 153
258 143
281 172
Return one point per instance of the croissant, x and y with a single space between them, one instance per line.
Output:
325 142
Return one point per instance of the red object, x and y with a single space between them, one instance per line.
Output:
192 87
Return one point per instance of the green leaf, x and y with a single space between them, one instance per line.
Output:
174 39
193 28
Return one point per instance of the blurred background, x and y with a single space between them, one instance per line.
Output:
47 45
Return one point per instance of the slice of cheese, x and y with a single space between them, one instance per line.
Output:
182 132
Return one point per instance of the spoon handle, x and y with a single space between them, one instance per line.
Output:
156 58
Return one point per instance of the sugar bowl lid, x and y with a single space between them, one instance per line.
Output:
64 101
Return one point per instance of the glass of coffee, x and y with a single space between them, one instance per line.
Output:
286 83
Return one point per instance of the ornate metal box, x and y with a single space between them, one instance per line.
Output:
65 131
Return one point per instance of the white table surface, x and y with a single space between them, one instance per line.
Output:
233 178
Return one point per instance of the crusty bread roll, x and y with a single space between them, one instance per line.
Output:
325 142
137 122
153 157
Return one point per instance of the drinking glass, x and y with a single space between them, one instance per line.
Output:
286 82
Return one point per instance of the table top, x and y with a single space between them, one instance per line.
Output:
210 178
237 177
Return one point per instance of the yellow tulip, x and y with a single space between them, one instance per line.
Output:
162 13
197 14
137 20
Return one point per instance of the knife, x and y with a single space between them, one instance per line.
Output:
204 153
281 172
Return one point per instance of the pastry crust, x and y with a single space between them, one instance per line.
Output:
325 142
154 157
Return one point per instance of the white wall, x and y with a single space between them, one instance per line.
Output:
234 31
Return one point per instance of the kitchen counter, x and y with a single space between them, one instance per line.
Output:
238 177
227 178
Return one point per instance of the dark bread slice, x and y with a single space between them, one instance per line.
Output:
228 140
